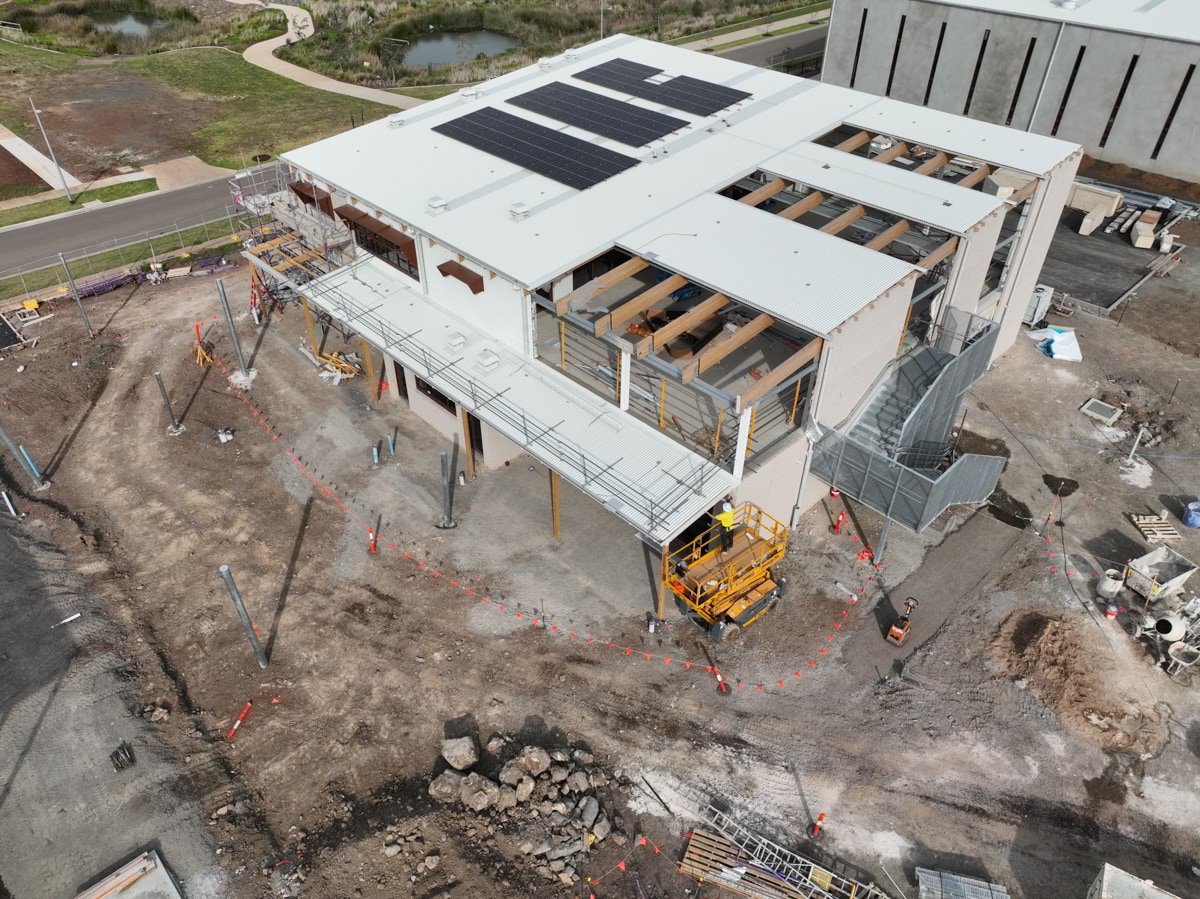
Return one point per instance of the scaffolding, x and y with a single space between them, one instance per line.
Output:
745 862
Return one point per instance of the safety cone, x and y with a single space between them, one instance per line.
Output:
815 830
837 525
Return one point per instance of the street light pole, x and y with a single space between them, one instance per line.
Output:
37 114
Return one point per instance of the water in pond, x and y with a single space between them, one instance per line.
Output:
450 48
134 23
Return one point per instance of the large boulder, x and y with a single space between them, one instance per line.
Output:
525 788
446 787
507 798
533 760
478 793
460 753
589 808
578 782
511 773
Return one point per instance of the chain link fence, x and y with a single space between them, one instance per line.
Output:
92 265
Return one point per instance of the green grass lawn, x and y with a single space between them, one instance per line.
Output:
260 112
53 207
429 91
759 37
12 191
748 22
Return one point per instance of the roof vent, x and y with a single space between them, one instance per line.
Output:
437 204
470 92
395 120
545 63
572 54
519 211
1068 4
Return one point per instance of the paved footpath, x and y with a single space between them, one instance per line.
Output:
300 26
34 160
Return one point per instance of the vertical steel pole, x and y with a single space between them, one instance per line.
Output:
176 427
8 502
33 475
447 521
237 347
236 596
37 114
75 293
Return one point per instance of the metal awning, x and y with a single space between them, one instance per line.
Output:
649 480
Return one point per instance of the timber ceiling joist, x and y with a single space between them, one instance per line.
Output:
697 315
724 345
599 285
631 309
764 193
939 254
780 373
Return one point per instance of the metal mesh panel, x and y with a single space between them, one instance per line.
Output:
972 339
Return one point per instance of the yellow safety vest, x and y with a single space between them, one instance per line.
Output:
726 518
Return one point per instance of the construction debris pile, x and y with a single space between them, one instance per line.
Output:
553 797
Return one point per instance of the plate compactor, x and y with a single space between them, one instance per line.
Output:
898 632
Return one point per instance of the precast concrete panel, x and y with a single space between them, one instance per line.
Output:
1179 157
845 17
1056 80
1096 86
1046 34
879 43
917 51
1146 103
960 50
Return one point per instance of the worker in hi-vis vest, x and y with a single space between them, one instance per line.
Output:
725 518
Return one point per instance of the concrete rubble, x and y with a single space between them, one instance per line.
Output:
552 797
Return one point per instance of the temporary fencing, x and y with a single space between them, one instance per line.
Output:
367 518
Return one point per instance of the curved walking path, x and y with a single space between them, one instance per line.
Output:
300 26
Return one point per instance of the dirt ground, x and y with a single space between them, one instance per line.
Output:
104 116
962 750
1136 179
15 174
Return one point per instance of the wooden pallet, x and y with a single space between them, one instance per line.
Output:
1155 528
714 860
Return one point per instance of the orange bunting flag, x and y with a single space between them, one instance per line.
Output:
621 865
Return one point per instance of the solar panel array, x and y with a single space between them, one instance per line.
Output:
560 157
598 114
681 92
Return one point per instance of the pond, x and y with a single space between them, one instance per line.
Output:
450 48
132 23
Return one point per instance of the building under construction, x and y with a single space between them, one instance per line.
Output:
671 277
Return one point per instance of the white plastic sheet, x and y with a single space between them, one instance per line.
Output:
1058 343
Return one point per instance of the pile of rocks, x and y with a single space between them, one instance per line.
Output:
555 791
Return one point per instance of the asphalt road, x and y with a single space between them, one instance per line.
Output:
154 212
798 43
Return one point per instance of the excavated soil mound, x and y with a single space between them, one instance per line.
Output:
1071 672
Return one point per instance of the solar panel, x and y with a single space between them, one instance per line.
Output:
598 114
682 92
560 157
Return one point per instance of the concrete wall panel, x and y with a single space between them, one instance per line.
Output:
499 310
879 42
917 51
1161 68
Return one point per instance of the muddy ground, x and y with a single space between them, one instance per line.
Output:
950 752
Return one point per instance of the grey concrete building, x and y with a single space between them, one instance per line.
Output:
1117 76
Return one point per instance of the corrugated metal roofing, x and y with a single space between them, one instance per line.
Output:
800 275
943 885
655 484
1177 20
958 135
887 187
1118 884
398 167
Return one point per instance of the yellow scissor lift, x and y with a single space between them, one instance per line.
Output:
726 590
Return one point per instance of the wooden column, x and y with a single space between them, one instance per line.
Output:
312 332
468 448
554 503
369 370
660 604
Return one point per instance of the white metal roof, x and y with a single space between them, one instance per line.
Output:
1174 19
1118 884
887 187
398 169
958 135
657 485
800 275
